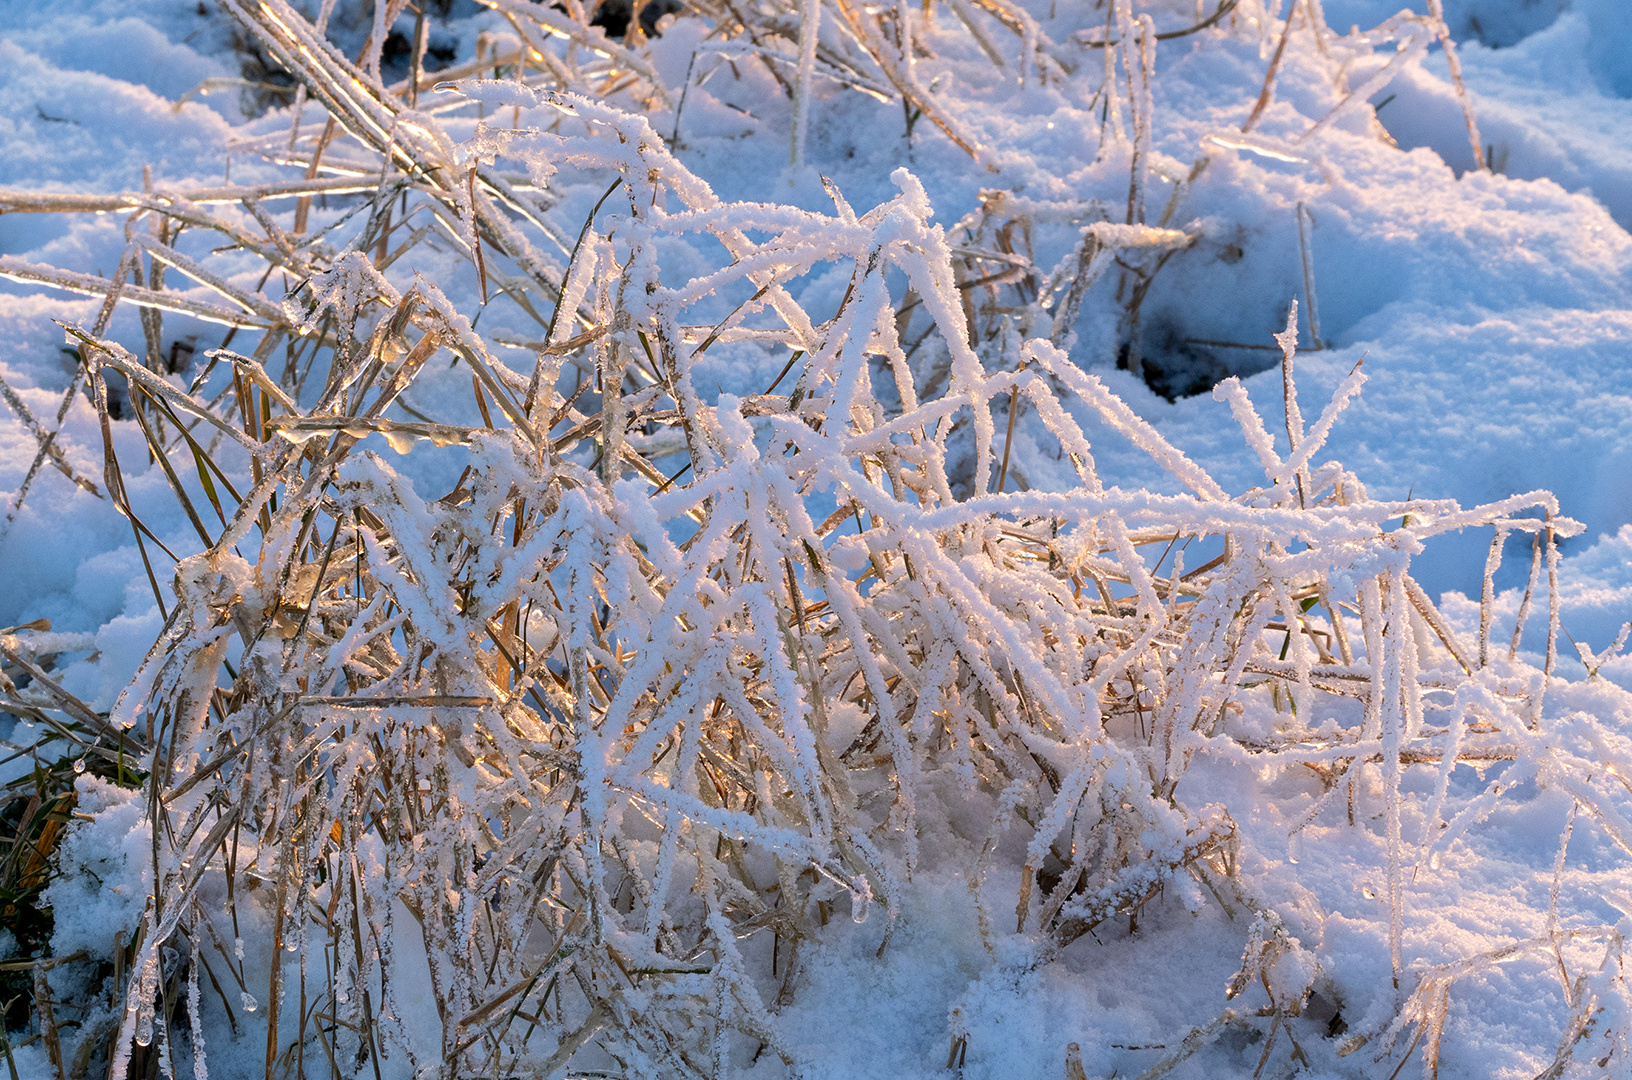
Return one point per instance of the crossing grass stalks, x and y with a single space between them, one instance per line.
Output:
658 675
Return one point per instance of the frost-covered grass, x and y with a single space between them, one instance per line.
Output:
600 620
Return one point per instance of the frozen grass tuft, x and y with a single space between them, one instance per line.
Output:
665 669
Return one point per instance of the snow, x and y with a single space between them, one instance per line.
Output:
1489 313
104 863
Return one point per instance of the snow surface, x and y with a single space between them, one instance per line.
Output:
1493 314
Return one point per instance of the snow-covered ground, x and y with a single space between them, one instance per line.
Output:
1494 315
1492 311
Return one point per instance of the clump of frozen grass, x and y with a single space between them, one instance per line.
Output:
577 725
658 673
